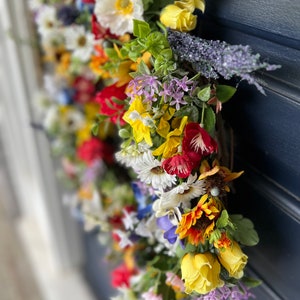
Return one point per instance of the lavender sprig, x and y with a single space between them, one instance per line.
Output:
218 58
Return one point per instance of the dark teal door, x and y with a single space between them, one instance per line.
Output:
267 136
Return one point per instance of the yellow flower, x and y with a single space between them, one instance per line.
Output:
173 141
178 18
200 272
163 127
191 4
140 121
233 260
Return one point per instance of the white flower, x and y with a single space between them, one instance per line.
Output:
149 171
34 5
118 15
72 120
146 228
180 195
46 19
129 220
124 238
51 119
80 42
53 39
129 155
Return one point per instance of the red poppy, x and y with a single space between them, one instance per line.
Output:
84 89
108 106
180 165
94 149
197 142
121 276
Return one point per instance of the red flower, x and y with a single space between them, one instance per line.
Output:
121 276
101 32
84 89
94 149
180 165
197 142
108 106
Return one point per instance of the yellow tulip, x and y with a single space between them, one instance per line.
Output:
200 272
191 4
233 260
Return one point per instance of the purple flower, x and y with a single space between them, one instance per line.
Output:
215 58
165 224
175 89
146 86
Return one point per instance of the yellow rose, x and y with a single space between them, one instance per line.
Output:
177 18
234 260
200 273
191 4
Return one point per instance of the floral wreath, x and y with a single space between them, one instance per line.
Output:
132 107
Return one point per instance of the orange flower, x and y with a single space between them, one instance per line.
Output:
197 224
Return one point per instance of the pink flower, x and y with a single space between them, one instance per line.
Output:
150 295
108 106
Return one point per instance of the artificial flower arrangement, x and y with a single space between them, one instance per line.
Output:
143 86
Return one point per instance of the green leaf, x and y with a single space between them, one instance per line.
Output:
223 220
209 120
225 92
204 94
124 133
245 232
214 236
251 282
141 29
95 129
143 68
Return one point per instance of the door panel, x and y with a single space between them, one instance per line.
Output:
266 136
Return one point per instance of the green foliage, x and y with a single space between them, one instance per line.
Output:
209 120
204 94
245 232
225 92
141 29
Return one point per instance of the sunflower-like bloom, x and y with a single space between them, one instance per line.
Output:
200 272
217 177
197 224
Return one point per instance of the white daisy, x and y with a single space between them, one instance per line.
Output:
80 42
51 119
129 155
118 15
72 120
46 19
150 171
53 39
180 195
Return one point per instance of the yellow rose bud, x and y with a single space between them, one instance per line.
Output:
178 18
200 273
234 260
190 5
